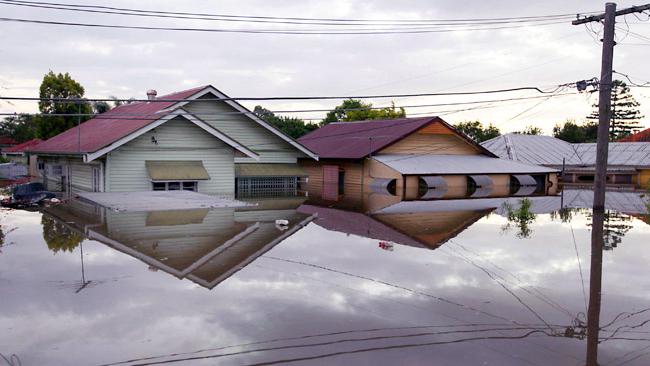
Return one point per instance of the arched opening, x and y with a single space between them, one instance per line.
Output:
430 187
384 186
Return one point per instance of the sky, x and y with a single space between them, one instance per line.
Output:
126 63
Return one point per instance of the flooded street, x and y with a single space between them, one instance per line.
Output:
354 281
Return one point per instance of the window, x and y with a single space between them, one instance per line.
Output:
175 186
41 166
56 170
189 186
266 186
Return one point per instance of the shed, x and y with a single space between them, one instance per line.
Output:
406 155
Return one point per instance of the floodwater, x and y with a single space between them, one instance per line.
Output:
365 281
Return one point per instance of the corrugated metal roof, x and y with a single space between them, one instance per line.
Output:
642 136
109 127
23 146
457 164
550 151
355 140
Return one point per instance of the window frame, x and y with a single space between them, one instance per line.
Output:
183 185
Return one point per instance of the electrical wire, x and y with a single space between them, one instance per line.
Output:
163 99
275 18
267 31
401 25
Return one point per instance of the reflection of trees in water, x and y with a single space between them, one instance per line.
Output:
59 237
565 214
520 217
615 226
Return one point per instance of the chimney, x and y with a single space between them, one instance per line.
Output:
151 94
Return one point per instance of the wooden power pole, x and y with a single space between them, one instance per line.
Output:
600 179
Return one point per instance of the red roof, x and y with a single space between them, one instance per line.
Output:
356 140
22 147
643 136
111 126
6 140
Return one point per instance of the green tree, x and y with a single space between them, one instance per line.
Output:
521 217
21 127
61 86
356 110
572 132
58 236
477 132
626 116
531 130
101 107
291 126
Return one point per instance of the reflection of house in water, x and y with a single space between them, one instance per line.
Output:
420 229
430 223
205 246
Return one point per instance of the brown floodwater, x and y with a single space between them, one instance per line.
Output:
354 281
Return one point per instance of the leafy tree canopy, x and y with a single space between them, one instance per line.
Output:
478 132
625 113
60 86
21 127
58 237
530 130
356 110
291 126
572 132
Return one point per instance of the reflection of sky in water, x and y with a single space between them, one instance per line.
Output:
319 281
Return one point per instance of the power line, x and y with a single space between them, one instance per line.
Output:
114 114
304 19
267 31
163 99
154 14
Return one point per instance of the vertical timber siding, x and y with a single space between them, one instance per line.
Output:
271 148
177 139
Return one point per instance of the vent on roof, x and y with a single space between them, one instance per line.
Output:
151 94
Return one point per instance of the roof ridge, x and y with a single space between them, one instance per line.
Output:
379 120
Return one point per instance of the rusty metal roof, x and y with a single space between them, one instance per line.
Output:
355 140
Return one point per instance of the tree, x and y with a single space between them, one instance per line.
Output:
101 107
59 237
20 127
615 226
61 86
530 130
477 132
522 218
572 132
292 126
356 110
626 116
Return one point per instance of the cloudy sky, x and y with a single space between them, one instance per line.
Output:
126 63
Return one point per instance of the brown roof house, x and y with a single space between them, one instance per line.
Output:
414 158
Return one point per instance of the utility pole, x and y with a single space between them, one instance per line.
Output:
604 116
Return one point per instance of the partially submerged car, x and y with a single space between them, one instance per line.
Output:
28 194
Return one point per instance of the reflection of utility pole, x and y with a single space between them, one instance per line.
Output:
595 285
84 283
